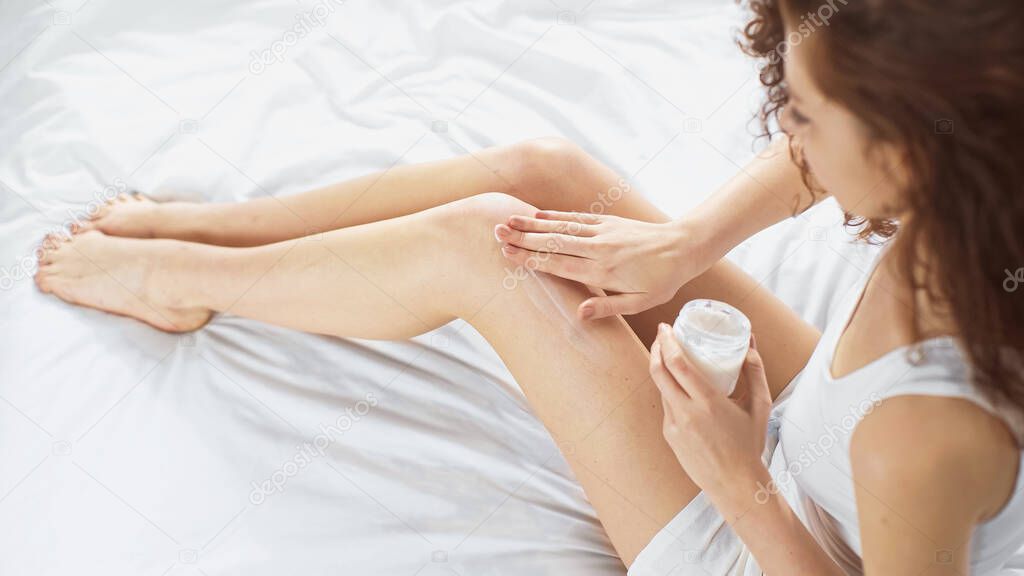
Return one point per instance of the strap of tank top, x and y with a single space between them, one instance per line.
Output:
938 367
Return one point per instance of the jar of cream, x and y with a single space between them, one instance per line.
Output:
715 337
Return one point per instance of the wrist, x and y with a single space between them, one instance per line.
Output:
700 239
748 487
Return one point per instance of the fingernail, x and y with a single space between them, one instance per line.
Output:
753 341
587 312
509 250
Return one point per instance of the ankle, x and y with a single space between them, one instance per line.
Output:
174 277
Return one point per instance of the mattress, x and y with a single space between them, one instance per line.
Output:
250 449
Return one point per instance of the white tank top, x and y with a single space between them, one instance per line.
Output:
811 464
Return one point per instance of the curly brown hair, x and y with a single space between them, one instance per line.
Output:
943 80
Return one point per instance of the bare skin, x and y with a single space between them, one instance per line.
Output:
404 275
137 216
110 276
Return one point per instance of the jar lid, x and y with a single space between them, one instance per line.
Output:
714 323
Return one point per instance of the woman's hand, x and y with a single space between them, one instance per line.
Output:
717 439
644 263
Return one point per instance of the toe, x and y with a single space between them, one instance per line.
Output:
44 256
81 227
43 281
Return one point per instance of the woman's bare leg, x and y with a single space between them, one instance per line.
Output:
550 173
396 278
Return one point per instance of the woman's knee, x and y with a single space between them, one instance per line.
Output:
473 219
551 155
542 170
464 229
465 250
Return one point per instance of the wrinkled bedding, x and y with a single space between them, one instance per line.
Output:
249 449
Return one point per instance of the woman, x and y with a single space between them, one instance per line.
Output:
898 451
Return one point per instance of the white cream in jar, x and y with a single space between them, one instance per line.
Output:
715 337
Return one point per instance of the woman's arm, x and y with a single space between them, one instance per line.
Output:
927 470
645 263
768 190
718 442
771 530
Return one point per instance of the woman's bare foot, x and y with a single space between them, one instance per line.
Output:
117 275
136 216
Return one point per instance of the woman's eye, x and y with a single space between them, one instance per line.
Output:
797 117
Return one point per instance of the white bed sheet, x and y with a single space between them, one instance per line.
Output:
129 451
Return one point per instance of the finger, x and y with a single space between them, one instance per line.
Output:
759 396
684 372
568 267
671 392
542 242
527 224
605 306
581 217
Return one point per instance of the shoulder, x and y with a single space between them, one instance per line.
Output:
930 449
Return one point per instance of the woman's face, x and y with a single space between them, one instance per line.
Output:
859 173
